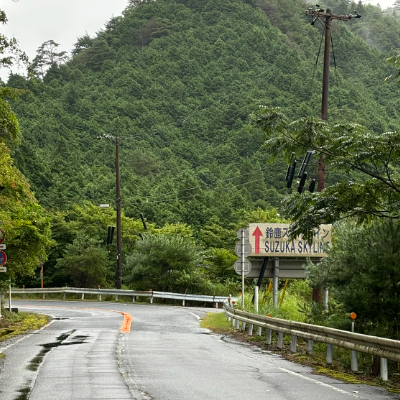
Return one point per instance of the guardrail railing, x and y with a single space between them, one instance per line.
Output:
120 292
380 347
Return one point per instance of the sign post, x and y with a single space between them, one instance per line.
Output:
243 249
242 262
272 241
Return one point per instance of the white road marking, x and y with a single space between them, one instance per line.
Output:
198 318
307 378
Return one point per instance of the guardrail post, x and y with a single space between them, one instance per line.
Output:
233 321
280 340
250 331
329 354
310 344
83 296
43 296
259 331
354 361
65 295
293 345
100 297
237 324
269 336
256 299
23 294
243 326
116 298
133 299
183 303
384 369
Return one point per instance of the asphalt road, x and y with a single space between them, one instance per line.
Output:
82 354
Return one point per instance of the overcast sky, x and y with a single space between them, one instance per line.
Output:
33 22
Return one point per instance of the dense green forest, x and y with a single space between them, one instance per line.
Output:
176 81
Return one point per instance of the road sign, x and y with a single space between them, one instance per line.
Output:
272 240
245 232
3 269
246 267
2 236
2 246
245 249
3 257
288 268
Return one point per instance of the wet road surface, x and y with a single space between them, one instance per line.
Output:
82 354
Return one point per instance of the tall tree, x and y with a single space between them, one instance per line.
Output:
23 220
10 53
368 163
85 262
159 262
47 57
362 271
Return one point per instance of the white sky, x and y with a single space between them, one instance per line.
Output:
33 22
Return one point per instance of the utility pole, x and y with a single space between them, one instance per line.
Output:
327 15
118 273
118 206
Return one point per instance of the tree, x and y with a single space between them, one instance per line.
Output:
25 223
395 60
219 264
9 50
83 42
85 262
47 57
9 127
95 55
368 164
159 261
91 221
362 271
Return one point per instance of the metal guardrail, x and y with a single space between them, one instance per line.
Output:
377 346
120 292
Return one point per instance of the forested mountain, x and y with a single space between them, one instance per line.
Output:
176 80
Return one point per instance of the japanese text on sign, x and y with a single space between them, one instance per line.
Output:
269 239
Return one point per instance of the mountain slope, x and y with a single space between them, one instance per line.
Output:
176 80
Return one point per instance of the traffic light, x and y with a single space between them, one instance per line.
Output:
110 234
305 163
311 188
302 182
290 174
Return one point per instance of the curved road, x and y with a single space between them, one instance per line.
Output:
82 354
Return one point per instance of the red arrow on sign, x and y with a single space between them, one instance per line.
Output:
257 233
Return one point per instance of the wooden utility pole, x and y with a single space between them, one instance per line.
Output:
118 273
327 15
118 279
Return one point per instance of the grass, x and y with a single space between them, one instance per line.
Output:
217 323
14 324
340 368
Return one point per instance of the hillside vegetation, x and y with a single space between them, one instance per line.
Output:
176 80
